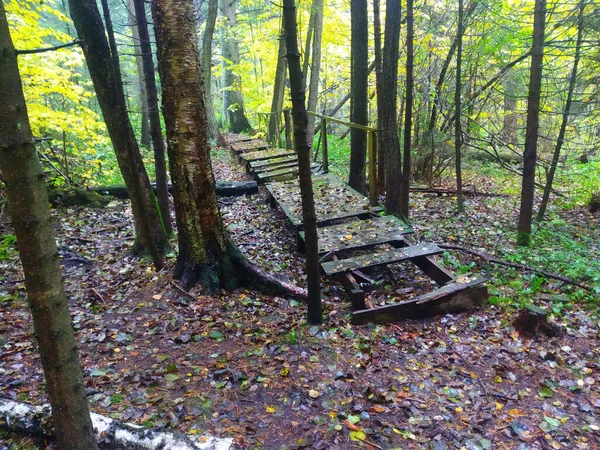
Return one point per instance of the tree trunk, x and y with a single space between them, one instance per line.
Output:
274 126
233 100
565 117
389 105
359 104
158 144
28 207
404 191
315 68
458 108
307 47
150 233
145 124
379 90
206 62
206 254
300 119
509 128
533 124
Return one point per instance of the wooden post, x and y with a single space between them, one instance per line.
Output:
372 149
288 129
325 151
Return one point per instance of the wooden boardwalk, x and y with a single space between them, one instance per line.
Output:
354 236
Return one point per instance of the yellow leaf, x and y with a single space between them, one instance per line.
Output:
357 435
285 372
270 409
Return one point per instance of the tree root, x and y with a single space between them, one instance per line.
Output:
491 259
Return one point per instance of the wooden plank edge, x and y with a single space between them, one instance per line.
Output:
451 298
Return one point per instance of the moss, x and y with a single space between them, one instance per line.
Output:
77 197
523 239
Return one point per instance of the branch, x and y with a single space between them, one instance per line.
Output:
491 259
47 49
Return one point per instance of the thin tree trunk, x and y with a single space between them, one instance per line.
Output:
509 128
145 119
206 254
533 124
404 191
158 144
233 100
359 105
457 105
278 93
307 47
28 207
315 68
106 77
389 105
300 119
565 117
379 89
206 62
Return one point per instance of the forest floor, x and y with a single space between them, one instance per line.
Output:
246 365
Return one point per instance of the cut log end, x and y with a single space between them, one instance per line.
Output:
533 322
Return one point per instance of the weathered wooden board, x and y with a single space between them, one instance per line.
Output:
361 234
232 138
273 162
249 146
278 174
265 154
380 258
334 200
459 296
429 266
223 188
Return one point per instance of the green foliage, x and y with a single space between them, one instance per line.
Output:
338 151
8 246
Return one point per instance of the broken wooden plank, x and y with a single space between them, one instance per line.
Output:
454 297
362 233
249 146
265 154
380 258
430 266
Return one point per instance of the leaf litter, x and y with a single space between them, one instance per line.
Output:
245 365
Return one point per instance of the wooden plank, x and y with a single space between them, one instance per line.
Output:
249 146
273 162
454 297
232 138
265 154
381 258
362 233
274 167
430 266
275 175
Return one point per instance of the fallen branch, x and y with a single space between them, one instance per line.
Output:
47 49
465 192
491 259
110 433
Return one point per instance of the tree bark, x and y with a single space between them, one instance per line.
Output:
233 100
460 201
158 144
359 104
274 126
315 67
379 90
28 207
150 234
145 119
533 124
300 119
206 254
565 118
389 105
307 47
206 62
404 191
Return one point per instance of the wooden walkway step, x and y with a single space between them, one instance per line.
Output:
261 166
380 258
278 174
454 297
265 154
361 234
232 138
249 146
272 167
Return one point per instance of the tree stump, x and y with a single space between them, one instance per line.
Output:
595 202
533 321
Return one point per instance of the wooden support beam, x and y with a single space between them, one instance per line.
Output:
452 298
429 266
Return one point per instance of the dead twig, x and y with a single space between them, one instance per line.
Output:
491 259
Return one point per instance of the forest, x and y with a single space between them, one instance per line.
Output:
304 224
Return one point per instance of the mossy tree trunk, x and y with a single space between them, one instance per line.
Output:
206 254
28 206
106 76
158 144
